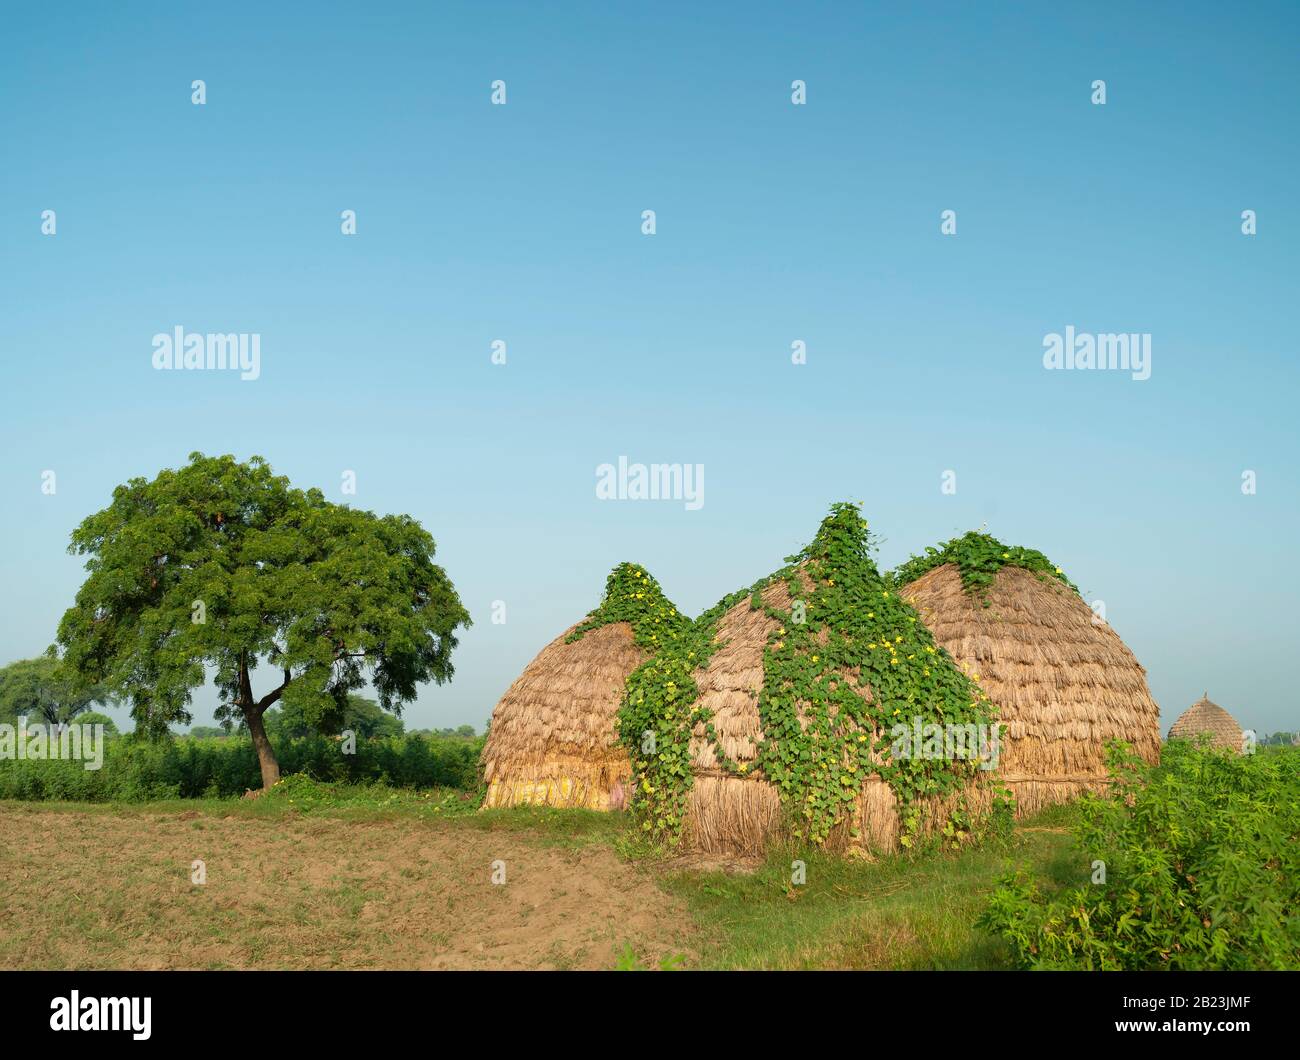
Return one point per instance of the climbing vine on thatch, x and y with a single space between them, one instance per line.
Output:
634 597
655 722
978 557
846 629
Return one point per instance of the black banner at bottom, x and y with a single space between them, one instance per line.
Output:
340 1008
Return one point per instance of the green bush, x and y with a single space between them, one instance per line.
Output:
1202 870
138 770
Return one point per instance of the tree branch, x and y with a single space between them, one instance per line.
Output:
272 696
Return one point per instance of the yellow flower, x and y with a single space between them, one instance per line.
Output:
814 658
1058 570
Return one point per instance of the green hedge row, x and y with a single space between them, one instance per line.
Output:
185 767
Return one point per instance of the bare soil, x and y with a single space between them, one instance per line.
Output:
108 889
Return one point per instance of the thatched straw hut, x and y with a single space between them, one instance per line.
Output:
1206 718
735 812
789 736
1062 680
553 739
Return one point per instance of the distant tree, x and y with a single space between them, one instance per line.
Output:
93 717
207 732
45 689
367 719
363 716
223 564
461 732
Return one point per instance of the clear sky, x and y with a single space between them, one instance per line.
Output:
775 223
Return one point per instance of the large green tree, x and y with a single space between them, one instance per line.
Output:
223 565
45 688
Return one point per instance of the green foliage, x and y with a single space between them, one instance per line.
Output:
45 689
460 732
306 795
359 715
978 557
138 770
93 717
1202 870
223 564
634 597
818 733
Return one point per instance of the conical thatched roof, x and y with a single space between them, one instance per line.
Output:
554 738
1204 717
1062 680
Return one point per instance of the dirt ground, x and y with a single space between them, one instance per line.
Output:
114 890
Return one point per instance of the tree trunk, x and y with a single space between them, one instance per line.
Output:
265 754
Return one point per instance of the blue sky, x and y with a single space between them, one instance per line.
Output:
775 223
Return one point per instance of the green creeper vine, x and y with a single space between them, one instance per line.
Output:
634 597
818 733
978 557
656 719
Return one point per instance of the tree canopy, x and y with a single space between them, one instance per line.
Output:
223 565
45 689
94 717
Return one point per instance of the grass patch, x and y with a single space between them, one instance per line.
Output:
902 912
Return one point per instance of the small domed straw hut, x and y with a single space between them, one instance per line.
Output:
1209 719
554 737
1063 682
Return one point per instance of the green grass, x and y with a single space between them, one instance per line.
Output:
355 802
904 912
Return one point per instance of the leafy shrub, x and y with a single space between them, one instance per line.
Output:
1202 870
